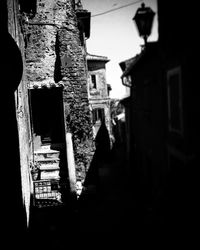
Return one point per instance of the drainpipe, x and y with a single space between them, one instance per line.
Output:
71 163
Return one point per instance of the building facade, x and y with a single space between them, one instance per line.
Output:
57 81
180 86
163 121
148 152
99 99
17 140
49 126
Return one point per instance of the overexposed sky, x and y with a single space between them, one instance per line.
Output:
115 35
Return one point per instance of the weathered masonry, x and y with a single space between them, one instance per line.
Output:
55 33
44 103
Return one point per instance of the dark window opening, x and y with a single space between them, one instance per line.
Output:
93 80
28 6
175 100
57 68
98 115
47 115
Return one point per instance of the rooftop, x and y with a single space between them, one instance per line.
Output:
128 65
97 58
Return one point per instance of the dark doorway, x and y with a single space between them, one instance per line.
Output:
47 115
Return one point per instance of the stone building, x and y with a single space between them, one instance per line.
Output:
98 91
46 99
57 81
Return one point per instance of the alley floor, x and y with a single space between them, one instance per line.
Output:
102 210
103 213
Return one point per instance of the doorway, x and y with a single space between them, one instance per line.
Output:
47 116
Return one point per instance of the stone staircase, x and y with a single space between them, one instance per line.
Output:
48 160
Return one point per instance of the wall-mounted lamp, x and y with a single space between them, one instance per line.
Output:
144 20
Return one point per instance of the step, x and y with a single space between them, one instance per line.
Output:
46 146
48 164
49 167
48 160
46 150
46 153
46 175
49 155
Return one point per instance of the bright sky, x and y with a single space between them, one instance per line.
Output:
115 35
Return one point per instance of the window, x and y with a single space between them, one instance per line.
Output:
127 81
93 80
98 115
147 95
174 91
28 6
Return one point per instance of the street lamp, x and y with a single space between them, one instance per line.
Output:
144 19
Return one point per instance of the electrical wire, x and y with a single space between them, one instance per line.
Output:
111 10
99 14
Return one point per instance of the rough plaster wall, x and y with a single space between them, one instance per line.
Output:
101 84
22 108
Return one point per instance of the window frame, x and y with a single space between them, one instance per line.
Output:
171 73
94 84
98 114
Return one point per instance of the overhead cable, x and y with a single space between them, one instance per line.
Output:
111 10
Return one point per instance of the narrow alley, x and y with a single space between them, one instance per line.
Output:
107 212
103 208
83 166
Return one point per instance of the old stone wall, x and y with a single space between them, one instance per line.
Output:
55 55
40 31
76 102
